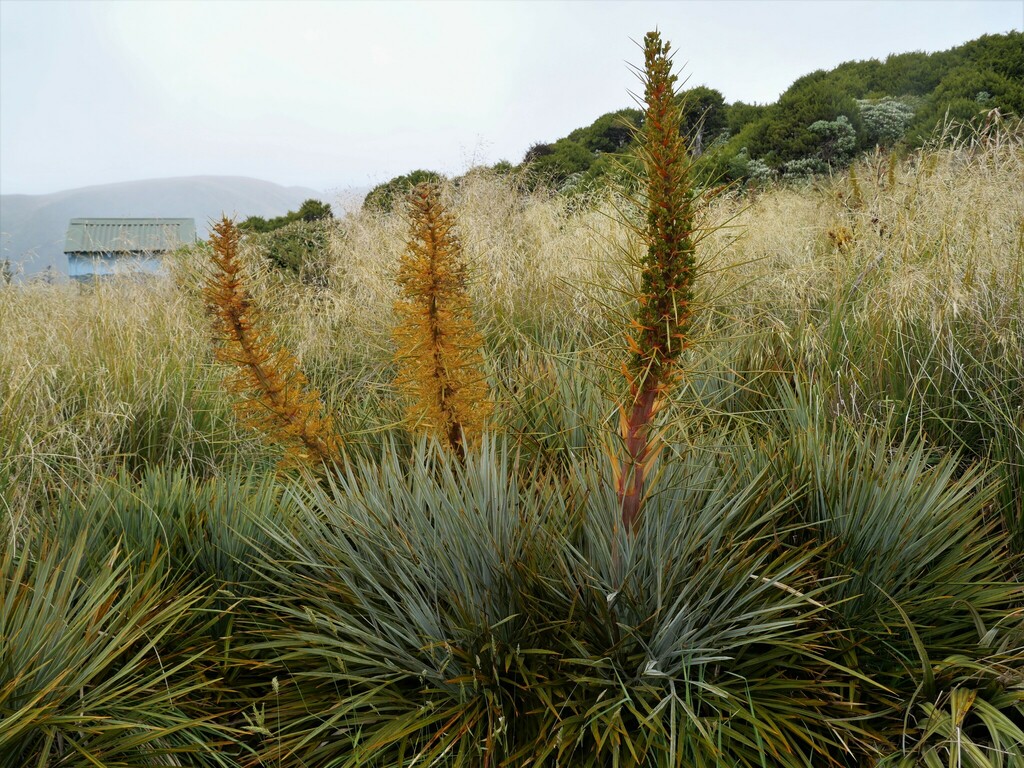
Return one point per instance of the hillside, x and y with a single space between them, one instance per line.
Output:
822 121
819 124
32 227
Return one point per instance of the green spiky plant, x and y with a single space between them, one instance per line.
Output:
437 342
496 630
96 664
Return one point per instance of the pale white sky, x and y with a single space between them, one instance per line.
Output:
331 95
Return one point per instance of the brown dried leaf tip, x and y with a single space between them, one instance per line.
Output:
659 331
275 396
438 346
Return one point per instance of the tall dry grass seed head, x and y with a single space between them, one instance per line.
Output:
438 346
658 332
275 396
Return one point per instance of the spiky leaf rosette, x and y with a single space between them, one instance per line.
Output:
275 396
659 329
437 342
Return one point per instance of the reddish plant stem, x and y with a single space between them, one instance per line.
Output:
637 439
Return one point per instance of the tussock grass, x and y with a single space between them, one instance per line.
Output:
99 378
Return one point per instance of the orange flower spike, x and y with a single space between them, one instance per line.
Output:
437 345
274 394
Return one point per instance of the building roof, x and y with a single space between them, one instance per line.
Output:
128 235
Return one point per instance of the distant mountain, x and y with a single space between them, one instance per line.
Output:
32 227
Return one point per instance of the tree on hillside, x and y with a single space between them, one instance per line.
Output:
383 197
906 74
739 114
537 151
611 132
565 159
956 98
704 117
314 210
837 140
295 242
310 210
789 136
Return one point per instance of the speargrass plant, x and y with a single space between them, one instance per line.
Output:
180 535
96 664
430 610
924 600
275 395
696 636
407 583
660 329
438 355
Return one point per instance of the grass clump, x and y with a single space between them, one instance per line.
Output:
97 665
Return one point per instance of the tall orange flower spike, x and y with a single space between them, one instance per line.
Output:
438 347
275 396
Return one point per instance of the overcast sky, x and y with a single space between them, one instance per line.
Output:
331 95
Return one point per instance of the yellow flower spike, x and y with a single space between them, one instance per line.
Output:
275 396
437 344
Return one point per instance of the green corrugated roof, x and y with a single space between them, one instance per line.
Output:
128 235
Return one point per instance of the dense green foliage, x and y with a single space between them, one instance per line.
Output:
295 241
298 248
383 197
310 210
817 125
901 100
964 83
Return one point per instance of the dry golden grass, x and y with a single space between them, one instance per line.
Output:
952 224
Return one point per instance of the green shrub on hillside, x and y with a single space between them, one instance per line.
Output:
383 197
301 248
310 210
